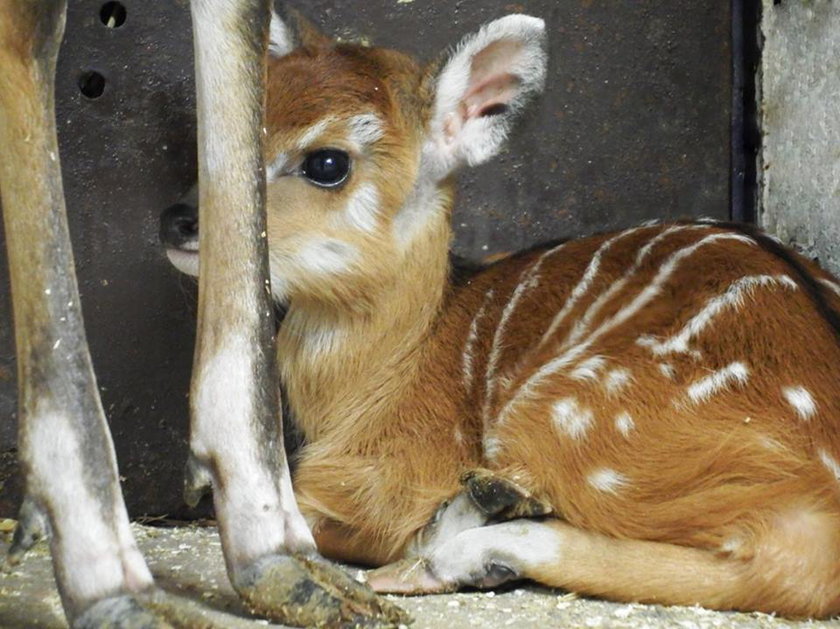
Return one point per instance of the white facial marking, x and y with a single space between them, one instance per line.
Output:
313 133
588 369
278 167
571 419
185 261
652 290
467 358
527 280
830 463
362 211
705 388
584 284
326 257
733 297
667 370
364 130
624 423
607 480
801 400
617 380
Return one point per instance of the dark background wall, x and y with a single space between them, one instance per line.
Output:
635 124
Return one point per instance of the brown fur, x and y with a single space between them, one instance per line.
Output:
372 358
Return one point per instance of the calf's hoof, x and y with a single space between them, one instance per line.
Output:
500 498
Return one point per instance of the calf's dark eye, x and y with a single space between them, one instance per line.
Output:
326 167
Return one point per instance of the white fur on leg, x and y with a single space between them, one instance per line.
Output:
518 545
262 514
91 542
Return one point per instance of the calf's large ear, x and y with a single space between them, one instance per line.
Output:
480 89
290 30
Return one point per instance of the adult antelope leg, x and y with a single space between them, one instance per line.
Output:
236 433
66 452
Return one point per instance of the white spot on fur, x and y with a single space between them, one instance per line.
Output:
667 370
588 369
362 211
624 423
617 380
364 130
571 419
607 480
801 400
830 463
705 388
458 435
326 257
467 357
733 297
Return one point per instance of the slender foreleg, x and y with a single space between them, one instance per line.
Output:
236 434
67 456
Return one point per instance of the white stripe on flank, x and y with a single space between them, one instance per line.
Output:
492 447
583 324
584 284
607 480
467 357
801 400
832 285
571 419
733 297
652 290
705 388
589 368
831 463
527 280
624 423
617 380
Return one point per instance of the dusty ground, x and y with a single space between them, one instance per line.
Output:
188 562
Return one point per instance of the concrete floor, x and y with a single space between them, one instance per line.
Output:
187 562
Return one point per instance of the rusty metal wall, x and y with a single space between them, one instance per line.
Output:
634 125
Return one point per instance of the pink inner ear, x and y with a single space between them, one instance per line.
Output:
492 86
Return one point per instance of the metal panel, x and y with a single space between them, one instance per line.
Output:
634 125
